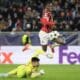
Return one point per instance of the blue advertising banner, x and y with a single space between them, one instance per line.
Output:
72 38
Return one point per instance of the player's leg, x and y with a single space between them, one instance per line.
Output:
12 72
21 71
38 52
51 50
26 47
55 37
43 41
41 51
52 36
60 41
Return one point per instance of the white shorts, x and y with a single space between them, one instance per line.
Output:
45 37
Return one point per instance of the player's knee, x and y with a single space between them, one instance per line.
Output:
44 50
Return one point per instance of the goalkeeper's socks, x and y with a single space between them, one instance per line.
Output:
3 75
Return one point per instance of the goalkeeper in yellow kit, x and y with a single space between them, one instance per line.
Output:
28 70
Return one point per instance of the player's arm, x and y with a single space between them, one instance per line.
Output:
37 74
44 21
26 41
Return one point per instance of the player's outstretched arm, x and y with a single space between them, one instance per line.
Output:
37 74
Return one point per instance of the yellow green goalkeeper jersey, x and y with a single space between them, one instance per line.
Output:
23 70
29 68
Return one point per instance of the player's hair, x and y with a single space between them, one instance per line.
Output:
34 59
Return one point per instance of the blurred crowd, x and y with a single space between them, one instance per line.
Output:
24 15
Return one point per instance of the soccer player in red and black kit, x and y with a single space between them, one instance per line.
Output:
46 33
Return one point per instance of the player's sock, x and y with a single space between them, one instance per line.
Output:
50 52
52 49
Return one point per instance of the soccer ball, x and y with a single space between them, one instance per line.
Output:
54 35
49 55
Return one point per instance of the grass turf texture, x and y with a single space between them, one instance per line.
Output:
52 72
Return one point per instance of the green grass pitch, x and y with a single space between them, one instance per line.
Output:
52 72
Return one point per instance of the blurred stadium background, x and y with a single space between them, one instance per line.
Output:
19 16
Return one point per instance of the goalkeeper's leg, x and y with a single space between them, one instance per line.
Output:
42 52
38 52
19 71
12 72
